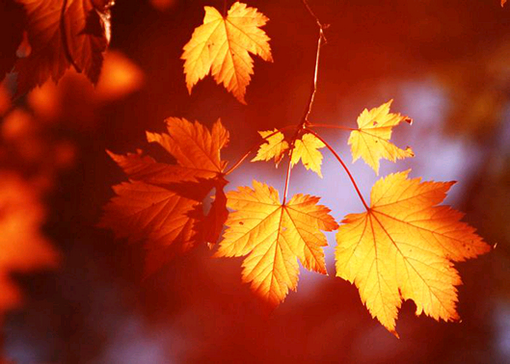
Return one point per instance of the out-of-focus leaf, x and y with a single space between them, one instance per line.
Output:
63 33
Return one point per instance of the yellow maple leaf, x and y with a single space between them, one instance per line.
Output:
221 46
306 149
274 236
403 248
274 147
371 141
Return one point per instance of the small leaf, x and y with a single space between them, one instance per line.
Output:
306 149
403 247
274 147
371 141
274 236
222 46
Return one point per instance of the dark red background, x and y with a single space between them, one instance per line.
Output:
439 60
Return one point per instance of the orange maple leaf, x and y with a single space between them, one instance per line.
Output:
162 203
222 46
371 141
273 236
403 248
22 244
63 33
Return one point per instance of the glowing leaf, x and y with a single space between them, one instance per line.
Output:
195 148
60 38
274 236
274 147
306 149
22 245
403 248
162 203
371 141
222 46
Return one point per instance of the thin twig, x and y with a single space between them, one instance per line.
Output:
322 40
330 126
305 3
343 165
304 122
287 178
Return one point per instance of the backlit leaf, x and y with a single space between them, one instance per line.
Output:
403 248
274 147
222 46
273 237
306 149
371 141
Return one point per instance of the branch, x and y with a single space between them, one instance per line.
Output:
331 126
322 40
343 165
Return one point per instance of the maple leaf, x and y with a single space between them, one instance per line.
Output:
403 248
63 33
503 2
222 46
23 246
162 203
371 141
274 147
273 236
306 149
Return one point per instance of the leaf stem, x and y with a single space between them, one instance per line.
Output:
343 165
254 147
330 126
287 178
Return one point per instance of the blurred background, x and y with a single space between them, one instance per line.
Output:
446 64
